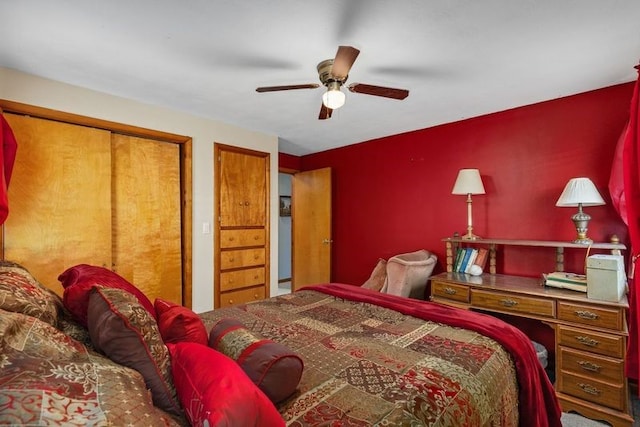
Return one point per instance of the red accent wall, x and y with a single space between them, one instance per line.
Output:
393 195
289 162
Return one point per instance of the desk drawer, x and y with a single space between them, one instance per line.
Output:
601 317
514 303
242 258
242 296
597 367
593 342
242 238
230 280
610 395
450 291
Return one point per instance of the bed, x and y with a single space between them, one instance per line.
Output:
377 359
105 358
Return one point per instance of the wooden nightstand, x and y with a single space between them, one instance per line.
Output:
590 335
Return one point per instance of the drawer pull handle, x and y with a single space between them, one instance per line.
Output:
255 296
589 366
587 315
588 388
508 302
449 291
255 277
587 341
231 239
230 301
231 259
256 237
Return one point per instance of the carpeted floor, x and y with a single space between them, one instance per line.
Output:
575 420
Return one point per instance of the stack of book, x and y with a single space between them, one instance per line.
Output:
560 279
466 257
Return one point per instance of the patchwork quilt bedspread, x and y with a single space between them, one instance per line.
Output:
367 361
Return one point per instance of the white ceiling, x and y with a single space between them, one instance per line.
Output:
458 58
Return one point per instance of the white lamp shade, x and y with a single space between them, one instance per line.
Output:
333 99
468 182
580 191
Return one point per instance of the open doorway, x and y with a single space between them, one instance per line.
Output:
284 234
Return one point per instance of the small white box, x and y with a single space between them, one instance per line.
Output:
606 279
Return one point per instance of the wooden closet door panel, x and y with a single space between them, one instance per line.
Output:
59 198
147 246
243 179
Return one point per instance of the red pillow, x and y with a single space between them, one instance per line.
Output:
77 283
178 323
213 389
273 367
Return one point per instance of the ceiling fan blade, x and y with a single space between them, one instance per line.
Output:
289 87
325 112
345 57
387 92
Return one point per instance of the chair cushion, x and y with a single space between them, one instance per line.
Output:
375 282
273 367
407 274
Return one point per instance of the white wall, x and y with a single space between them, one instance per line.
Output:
284 232
28 89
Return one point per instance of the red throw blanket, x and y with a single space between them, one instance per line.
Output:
538 405
8 149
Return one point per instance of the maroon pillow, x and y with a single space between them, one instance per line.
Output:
270 365
214 391
123 330
77 283
178 323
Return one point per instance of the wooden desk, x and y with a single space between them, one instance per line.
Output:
590 336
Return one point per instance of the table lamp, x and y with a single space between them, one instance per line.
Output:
580 192
468 182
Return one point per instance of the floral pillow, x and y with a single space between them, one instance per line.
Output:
47 378
20 292
125 331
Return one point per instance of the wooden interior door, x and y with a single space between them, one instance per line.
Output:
59 198
146 215
311 227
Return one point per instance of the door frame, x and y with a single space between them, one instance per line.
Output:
186 177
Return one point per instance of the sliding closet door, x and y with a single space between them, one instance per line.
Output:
146 215
59 198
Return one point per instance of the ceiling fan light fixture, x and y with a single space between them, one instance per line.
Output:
333 98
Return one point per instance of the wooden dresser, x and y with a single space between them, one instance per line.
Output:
242 232
590 335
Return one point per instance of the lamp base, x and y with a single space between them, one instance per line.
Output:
471 236
581 222
585 241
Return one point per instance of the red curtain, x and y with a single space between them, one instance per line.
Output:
8 149
624 186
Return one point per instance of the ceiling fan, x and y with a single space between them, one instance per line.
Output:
333 75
